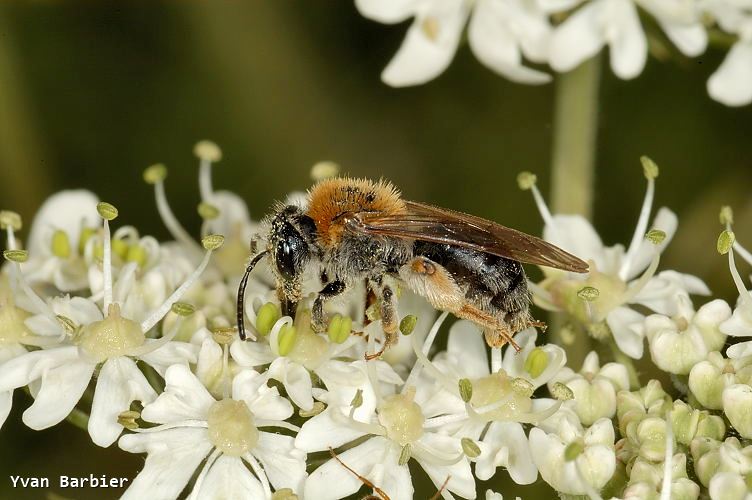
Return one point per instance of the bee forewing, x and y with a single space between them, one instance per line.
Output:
440 225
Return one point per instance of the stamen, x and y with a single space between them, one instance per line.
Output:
642 221
744 294
260 474
156 175
443 420
41 306
277 423
274 334
205 469
743 252
193 423
162 310
208 153
108 213
433 456
426 347
373 377
357 425
152 346
668 461
226 375
637 285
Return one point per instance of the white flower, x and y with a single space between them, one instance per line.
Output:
677 344
499 33
646 480
58 240
737 405
708 379
731 84
616 23
195 426
729 486
722 467
594 388
572 460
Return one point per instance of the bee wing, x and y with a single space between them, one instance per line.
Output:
441 225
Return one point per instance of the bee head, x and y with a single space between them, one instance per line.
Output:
291 242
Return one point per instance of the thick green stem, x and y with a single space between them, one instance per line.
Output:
575 127
573 159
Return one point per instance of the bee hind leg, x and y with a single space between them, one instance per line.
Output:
389 315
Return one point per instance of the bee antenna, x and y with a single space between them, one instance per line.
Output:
241 293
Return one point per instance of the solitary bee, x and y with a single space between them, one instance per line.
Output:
357 229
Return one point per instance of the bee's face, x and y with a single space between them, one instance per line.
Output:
292 234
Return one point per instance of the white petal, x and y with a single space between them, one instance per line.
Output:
628 47
626 326
495 45
172 353
251 354
119 383
429 45
184 398
576 235
322 431
285 465
731 84
67 211
509 436
577 39
386 11
173 456
690 39
332 480
61 389
461 480
6 402
229 478
296 379
467 349
264 401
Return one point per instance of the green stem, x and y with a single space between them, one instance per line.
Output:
79 419
621 358
575 127
573 159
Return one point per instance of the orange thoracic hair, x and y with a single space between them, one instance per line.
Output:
329 199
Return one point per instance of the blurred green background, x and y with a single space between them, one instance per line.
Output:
93 92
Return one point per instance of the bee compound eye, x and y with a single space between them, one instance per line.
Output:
284 257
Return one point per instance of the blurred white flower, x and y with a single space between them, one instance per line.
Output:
616 23
226 433
500 32
731 84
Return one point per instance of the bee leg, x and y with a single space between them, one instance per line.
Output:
497 333
318 316
388 318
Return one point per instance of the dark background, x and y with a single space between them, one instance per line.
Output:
93 92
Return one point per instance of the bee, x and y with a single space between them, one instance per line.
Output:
356 229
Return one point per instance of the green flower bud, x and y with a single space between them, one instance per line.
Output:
466 389
339 328
207 150
155 173
136 253
212 241
536 362
526 180
183 308
10 219
651 436
16 255
107 210
266 316
286 339
684 421
711 426
407 325
727 215
655 236
725 242
737 405
470 448
207 211
588 293
324 170
649 168
60 244
573 450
